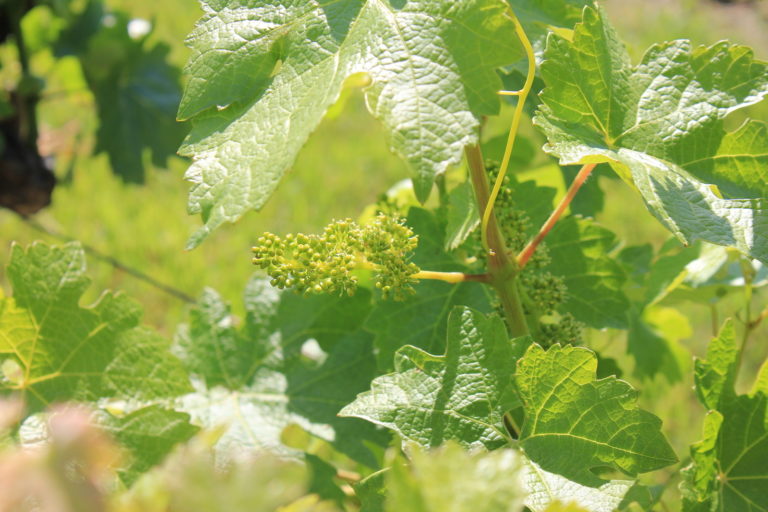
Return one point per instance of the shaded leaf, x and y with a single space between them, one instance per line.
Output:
149 434
654 345
463 217
296 360
372 492
135 89
580 254
538 17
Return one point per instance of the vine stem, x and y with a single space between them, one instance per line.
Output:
522 95
529 249
138 274
502 270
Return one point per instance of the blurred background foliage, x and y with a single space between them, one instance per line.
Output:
107 77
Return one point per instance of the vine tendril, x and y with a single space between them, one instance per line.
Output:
522 96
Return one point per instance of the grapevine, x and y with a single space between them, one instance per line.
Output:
490 336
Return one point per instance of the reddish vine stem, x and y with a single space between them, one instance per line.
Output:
529 249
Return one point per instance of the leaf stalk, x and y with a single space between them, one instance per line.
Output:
451 277
529 249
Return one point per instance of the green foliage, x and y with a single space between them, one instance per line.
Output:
450 479
135 90
575 422
421 320
191 480
579 252
148 435
660 125
426 402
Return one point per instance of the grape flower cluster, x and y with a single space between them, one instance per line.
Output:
329 262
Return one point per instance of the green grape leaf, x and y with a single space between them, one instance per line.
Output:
660 126
296 360
262 74
537 201
575 423
460 396
715 376
590 200
728 470
148 434
538 19
135 89
655 332
63 351
579 250
421 320
449 478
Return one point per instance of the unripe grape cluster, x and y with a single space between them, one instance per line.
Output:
566 331
544 292
327 263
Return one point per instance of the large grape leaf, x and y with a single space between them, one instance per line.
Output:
421 320
575 423
660 125
57 350
460 396
295 360
263 73
728 472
